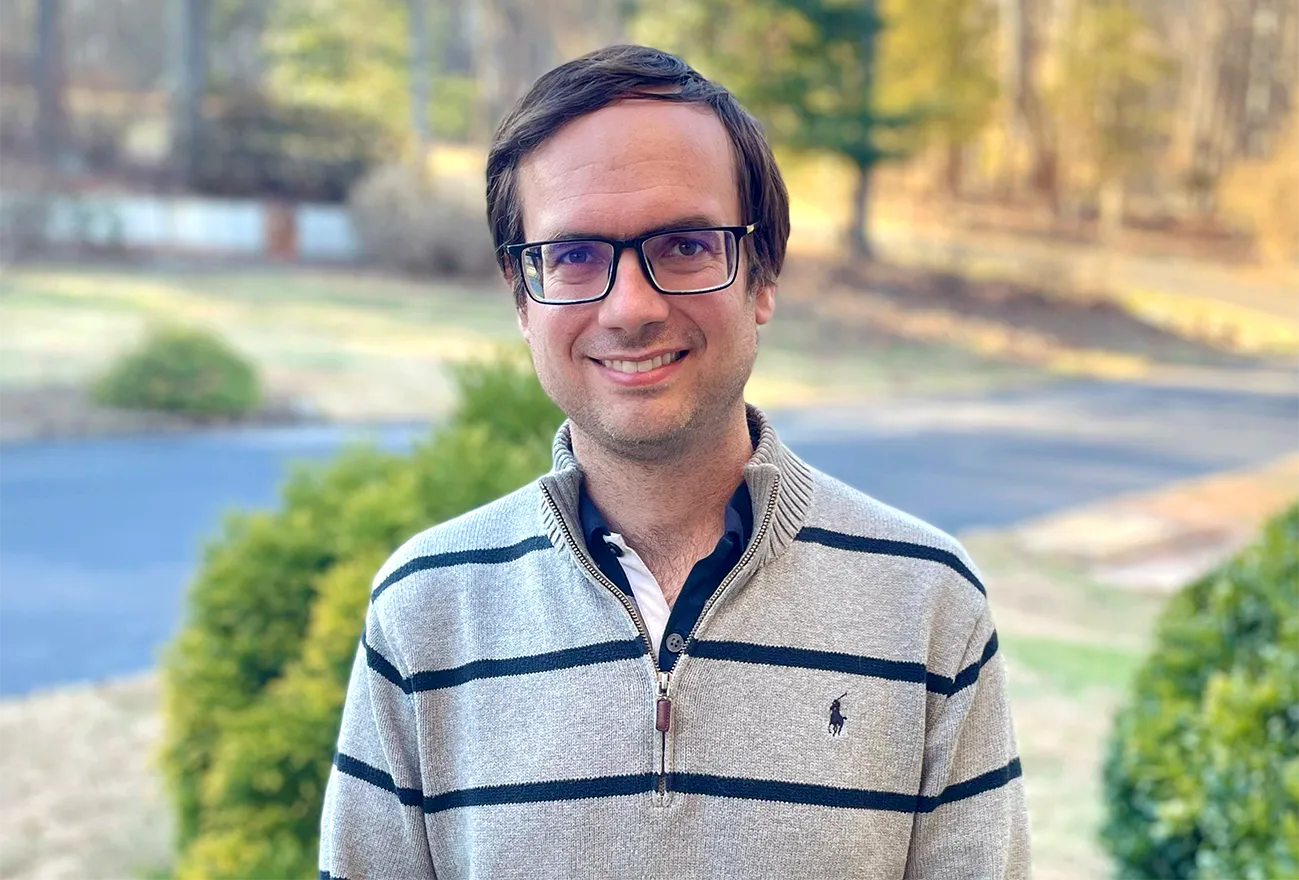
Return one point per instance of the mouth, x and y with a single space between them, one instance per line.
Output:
642 366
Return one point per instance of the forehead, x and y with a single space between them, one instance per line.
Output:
629 167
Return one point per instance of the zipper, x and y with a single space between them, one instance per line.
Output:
663 723
663 702
663 706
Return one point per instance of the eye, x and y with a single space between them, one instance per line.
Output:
684 246
583 253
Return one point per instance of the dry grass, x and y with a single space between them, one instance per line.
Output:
372 347
78 793
1071 645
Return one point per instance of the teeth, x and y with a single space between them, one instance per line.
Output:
640 366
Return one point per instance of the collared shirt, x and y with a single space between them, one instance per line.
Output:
624 567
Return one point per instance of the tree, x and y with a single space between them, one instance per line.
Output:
1103 100
420 74
807 67
50 76
189 82
375 60
941 56
348 56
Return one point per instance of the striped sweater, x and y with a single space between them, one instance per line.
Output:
839 709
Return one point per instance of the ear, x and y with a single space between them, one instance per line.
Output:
521 314
764 303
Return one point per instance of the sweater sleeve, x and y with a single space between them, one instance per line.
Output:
972 820
373 823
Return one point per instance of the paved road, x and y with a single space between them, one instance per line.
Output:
98 538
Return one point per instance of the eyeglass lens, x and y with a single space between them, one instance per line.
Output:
679 262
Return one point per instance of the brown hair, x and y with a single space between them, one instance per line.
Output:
616 73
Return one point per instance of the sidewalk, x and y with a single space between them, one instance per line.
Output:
1163 539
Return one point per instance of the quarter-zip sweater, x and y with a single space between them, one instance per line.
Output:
838 709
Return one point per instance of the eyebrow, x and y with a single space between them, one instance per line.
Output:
687 222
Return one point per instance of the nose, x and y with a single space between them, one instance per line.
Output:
633 302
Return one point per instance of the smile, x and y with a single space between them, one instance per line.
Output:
642 366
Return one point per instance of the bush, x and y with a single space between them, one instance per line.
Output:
407 223
184 371
256 148
1202 774
254 683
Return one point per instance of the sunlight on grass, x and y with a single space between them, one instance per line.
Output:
1073 667
1240 328
362 345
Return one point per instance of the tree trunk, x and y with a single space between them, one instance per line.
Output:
953 168
189 78
419 77
859 247
1026 118
49 76
1191 151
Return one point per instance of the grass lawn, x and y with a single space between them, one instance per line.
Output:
369 346
1071 647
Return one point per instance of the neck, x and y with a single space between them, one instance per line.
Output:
678 501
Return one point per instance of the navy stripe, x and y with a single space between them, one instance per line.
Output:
969 788
833 796
686 783
567 658
325 875
941 684
859 544
535 792
792 792
380 664
853 664
411 797
481 556
804 658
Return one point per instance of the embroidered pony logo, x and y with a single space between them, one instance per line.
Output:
837 718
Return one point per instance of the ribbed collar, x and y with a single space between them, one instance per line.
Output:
780 485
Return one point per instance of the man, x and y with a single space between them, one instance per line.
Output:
682 652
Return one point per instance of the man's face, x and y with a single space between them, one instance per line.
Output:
626 169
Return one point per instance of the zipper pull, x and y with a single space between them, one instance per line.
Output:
663 708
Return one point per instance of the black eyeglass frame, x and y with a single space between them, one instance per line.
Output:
515 251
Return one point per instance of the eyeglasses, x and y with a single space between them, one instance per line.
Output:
676 262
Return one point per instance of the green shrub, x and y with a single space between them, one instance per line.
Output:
1202 775
185 371
254 683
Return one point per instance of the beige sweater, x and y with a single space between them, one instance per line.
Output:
839 709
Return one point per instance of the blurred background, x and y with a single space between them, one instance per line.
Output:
1043 291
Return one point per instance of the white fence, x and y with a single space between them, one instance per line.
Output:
201 226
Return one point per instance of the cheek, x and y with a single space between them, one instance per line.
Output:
555 333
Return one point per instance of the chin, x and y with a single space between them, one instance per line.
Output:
645 436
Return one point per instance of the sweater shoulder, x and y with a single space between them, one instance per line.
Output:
495 531
840 507
847 517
